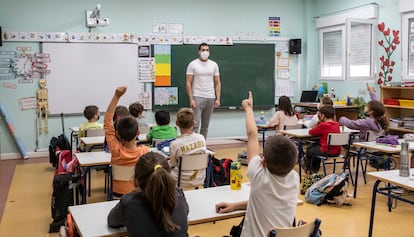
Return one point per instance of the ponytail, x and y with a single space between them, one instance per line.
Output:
161 190
383 122
152 172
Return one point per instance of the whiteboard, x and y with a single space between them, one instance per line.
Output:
87 74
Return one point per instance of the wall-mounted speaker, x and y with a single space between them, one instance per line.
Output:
295 46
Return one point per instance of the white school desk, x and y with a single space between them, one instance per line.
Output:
374 146
91 219
87 160
90 142
393 179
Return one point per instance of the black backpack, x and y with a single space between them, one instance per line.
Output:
221 172
62 198
56 144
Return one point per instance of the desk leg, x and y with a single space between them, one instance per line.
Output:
87 171
300 156
374 197
263 139
357 171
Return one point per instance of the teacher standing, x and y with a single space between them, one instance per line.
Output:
203 88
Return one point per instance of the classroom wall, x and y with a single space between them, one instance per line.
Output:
214 17
388 12
211 18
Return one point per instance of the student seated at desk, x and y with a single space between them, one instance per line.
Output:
326 125
163 130
376 120
137 111
91 113
285 115
274 183
325 100
124 151
188 142
156 208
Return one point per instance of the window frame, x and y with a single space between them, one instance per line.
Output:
321 44
346 50
405 46
373 55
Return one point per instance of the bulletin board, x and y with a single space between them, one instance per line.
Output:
88 73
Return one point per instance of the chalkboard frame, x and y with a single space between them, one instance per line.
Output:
237 57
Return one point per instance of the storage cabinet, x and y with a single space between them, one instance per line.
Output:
405 109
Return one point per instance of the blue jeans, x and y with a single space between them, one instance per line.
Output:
202 112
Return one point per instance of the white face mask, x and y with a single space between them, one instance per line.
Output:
204 55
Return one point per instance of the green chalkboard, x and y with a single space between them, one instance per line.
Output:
243 67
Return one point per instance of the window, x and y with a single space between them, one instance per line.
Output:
332 54
346 51
407 41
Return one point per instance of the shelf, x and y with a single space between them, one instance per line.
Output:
397 111
404 130
397 107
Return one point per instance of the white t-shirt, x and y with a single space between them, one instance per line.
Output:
203 82
272 200
188 144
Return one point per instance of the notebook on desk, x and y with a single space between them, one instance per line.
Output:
309 96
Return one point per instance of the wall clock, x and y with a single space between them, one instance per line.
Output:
22 65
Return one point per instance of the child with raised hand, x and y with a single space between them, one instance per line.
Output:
376 120
274 183
123 151
156 208
163 130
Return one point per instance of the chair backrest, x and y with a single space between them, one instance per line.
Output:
155 142
122 172
338 139
94 132
371 135
192 162
307 230
296 126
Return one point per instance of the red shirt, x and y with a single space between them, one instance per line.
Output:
322 130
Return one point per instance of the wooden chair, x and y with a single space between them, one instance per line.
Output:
338 139
121 173
307 230
192 162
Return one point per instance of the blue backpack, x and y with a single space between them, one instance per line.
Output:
331 189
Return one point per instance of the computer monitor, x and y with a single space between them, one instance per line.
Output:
309 96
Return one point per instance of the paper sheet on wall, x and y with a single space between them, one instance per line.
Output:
285 87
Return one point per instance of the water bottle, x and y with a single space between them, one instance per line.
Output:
333 93
404 160
262 115
235 176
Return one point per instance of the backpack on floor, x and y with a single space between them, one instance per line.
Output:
65 180
57 144
62 198
332 189
309 180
